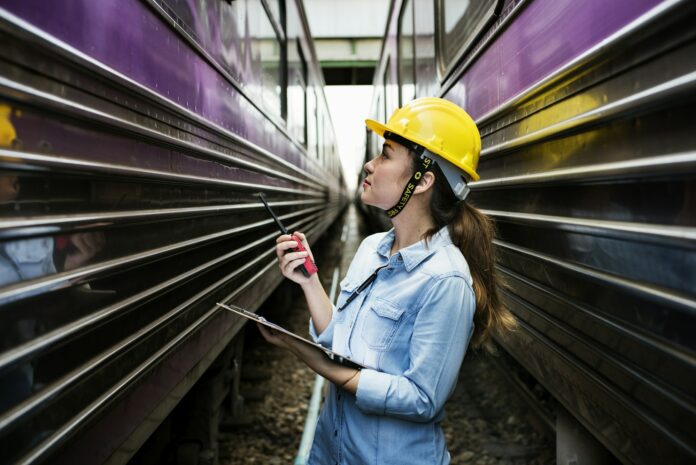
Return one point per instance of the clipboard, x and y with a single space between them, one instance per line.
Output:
336 357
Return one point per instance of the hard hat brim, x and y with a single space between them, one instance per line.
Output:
379 129
376 127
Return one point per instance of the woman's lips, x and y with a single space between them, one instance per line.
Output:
365 183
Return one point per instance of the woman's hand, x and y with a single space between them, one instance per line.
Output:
314 358
84 247
289 261
274 337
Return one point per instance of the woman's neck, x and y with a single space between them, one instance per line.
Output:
409 226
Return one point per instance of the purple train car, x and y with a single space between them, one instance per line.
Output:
586 111
134 137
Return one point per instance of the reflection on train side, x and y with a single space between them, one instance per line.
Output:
26 259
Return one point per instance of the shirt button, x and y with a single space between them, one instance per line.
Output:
335 432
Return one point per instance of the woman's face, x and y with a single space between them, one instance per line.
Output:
386 176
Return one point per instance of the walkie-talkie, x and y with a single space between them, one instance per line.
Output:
308 268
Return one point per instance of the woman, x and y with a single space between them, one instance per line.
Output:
428 289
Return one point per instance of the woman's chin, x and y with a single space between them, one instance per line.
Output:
365 199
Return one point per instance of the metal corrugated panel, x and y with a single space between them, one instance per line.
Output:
590 177
588 166
139 215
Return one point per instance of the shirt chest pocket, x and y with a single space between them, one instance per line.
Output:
382 320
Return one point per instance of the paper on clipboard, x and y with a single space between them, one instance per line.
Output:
343 360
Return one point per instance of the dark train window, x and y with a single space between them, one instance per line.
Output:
297 89
459 22
407 70
266 44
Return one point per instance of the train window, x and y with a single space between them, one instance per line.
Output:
324 140
391 90
297 89
266 46
407 77
274 8
425 64
374 140
459 22
320 136
311 122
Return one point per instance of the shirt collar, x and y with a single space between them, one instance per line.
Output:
414 253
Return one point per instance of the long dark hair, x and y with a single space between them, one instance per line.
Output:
473 233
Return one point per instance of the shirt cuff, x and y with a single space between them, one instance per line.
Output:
326 337
373 387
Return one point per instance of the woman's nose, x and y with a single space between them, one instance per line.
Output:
368 167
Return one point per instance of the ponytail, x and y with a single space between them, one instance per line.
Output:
473 232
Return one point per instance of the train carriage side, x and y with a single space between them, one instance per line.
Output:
134 137
586 113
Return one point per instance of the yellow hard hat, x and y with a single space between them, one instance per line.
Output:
440 126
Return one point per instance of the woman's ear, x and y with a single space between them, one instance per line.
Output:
427 181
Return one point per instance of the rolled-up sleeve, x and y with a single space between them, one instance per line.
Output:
441 333
326 336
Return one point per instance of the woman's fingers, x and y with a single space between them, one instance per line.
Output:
305 244
288 259
302 237
287 245
273 337
283 238
267 335
265 332
283 247
289 267
295 255
285 255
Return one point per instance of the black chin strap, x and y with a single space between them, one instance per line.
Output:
426 164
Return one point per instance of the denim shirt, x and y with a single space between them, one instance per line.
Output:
411 327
